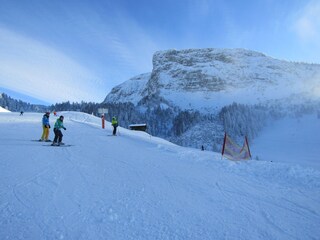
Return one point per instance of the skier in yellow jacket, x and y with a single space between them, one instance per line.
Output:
114 123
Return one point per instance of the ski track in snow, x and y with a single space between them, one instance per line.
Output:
135 186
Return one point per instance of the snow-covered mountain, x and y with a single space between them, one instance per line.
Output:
135 186
130 91
209 78
197 94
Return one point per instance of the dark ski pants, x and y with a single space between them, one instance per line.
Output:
57 135
114 130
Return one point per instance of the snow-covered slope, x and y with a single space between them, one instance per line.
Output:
294 141
135 186
3 110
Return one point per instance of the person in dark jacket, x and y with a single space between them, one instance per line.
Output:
57 132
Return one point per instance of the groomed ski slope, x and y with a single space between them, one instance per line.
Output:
135 186
290 140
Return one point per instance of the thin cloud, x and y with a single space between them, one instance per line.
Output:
28 66
307 24
114 44
127 42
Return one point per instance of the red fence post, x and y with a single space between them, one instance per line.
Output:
102 118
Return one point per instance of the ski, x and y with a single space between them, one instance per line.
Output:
65 145
34 140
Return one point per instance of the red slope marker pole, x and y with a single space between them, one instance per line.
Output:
102 119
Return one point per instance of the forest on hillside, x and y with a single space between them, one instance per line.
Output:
184 127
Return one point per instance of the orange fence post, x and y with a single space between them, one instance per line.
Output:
103 111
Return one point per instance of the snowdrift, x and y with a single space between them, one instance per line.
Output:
3 110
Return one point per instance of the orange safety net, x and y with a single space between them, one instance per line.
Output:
233 151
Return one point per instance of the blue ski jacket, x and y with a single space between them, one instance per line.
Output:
45 120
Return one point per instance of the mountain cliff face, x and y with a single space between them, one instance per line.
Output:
129 91
209 82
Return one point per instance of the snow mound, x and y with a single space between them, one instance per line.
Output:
3 110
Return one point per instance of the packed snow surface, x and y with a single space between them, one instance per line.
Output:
3 110
135 186
290 140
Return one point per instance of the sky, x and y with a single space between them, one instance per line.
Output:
76 50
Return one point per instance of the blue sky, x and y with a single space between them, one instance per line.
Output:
80 49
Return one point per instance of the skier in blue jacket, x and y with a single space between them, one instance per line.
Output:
45 127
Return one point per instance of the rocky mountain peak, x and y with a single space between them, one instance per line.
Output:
193 96
191 57
202 78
